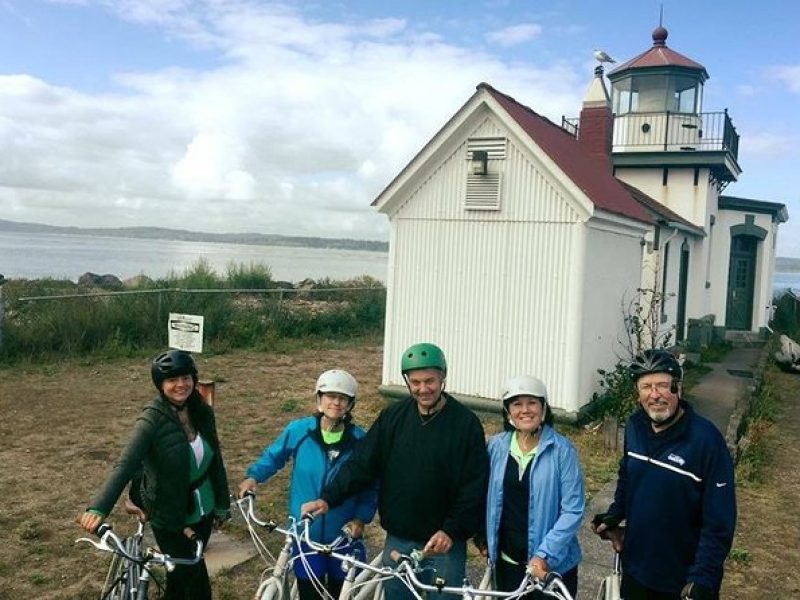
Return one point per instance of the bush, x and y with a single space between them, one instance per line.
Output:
133 322
753 446
618 398
786 318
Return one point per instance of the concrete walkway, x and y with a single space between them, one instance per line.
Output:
715 397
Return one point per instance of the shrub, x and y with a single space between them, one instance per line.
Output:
133 322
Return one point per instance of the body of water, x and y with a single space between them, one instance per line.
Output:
783 281
59 256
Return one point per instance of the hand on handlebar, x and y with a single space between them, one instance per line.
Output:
355 528
247 485
608 528
539 567
89 521
133 509
440 543
314 508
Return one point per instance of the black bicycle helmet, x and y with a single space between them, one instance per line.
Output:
655 360
172 363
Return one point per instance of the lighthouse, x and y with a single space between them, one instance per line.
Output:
667 145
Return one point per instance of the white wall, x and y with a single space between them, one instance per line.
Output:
680 194
611 276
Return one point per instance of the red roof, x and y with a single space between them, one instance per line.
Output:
659 56
602 188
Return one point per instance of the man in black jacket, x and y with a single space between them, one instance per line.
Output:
675 492
429 456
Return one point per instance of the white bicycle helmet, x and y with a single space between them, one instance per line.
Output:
523 385
337 381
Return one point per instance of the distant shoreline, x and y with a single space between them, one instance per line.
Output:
162 233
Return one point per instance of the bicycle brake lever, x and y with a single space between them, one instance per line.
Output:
101 545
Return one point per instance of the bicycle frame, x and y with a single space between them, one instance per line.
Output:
357 584
134 579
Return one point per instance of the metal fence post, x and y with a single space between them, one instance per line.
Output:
2 309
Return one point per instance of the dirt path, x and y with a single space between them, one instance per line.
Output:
63 424
765 562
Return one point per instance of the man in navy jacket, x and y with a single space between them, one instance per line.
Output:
675 492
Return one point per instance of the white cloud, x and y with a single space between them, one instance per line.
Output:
788 75
766 144
515 34
297 129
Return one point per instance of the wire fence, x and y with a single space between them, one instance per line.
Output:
85 321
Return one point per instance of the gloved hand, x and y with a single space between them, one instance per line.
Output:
607 526
604 521
696 591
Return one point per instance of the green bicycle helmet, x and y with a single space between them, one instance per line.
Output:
423 356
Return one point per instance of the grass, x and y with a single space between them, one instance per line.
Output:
134 323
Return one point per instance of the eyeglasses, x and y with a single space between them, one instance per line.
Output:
660 386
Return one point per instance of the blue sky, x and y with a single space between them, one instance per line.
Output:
248 115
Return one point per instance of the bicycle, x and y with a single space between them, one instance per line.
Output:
409 565
129 574
296 535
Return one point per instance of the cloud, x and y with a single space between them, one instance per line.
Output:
296 129
788 75
767 144
515 34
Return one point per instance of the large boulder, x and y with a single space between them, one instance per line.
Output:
138 281
103 281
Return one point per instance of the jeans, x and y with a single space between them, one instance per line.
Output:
186 582
450 566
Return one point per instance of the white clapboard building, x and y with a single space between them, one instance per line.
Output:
514 241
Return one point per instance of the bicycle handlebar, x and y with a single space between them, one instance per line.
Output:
111 542
409 564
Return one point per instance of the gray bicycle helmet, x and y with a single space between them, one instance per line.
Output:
655 360
172 363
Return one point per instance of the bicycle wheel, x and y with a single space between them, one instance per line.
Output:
115 579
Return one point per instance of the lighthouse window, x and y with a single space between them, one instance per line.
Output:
684 95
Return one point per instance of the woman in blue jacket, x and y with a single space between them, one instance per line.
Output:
319 445
536 496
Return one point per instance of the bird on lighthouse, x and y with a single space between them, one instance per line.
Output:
602 57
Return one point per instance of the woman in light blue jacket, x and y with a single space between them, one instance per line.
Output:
536 495
318 446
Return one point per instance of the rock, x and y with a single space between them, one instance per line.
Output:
138 281
103 281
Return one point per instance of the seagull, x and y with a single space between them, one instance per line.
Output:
602 56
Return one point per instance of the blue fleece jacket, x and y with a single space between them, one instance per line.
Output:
676 491
314 466
556 500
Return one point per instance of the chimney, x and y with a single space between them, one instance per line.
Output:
596 121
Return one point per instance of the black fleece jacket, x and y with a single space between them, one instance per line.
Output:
157 459
431 475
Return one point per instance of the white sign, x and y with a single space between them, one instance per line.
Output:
185 332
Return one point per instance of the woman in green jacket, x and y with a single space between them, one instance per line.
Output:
174 463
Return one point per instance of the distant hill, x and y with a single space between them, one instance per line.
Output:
162 233
787 265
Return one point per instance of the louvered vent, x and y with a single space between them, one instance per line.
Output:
483 191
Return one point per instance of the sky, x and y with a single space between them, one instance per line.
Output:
256 116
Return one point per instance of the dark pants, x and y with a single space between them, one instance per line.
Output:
186 582
633 590
307 591
508 577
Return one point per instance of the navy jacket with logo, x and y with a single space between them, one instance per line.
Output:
676 491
